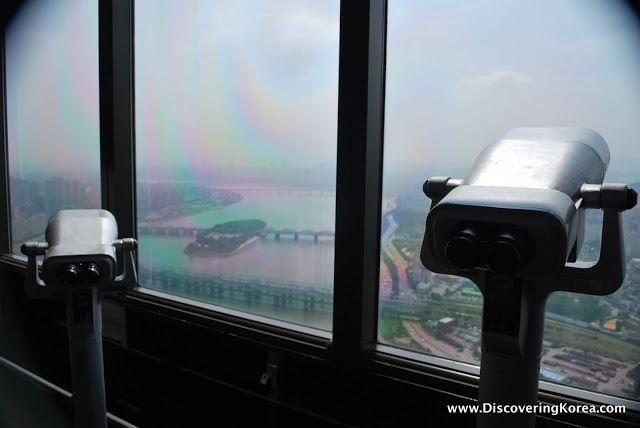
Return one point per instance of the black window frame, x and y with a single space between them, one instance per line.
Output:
353 344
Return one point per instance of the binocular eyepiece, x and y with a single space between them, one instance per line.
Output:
80 273
501 249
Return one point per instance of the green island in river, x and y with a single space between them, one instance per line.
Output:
226 238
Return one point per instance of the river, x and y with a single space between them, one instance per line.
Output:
303 262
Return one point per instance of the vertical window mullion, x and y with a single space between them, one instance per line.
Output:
117 142
359 177
5 211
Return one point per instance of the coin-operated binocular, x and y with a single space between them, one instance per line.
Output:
514 226
80 266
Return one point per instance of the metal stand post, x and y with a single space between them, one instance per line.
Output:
513 323
84 323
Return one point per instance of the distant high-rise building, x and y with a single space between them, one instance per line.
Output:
634 269
20 229
37 224
23 191
54 194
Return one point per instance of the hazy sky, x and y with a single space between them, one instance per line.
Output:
243 83
472 70
52 87
254 83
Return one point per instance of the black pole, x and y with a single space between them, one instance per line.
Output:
512 330
84 325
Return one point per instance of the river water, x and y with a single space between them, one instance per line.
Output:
302 262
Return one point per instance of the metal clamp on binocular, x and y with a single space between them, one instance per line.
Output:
515 226
80 265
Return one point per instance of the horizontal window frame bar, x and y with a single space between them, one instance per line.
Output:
285 336
13 263
226 312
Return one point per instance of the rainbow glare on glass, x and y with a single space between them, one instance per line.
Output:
52 88
250 84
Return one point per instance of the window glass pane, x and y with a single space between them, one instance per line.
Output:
459 76
236 118
52 113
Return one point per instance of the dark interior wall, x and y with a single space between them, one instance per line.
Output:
174 372
167 370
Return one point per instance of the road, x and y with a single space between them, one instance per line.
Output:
396 257
430 343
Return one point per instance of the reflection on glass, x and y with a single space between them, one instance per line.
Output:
52 113
236 115
458 78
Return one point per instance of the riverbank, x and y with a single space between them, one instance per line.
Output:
218 200
174 213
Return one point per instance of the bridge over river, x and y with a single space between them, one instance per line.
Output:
224 289
193 231
279 191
